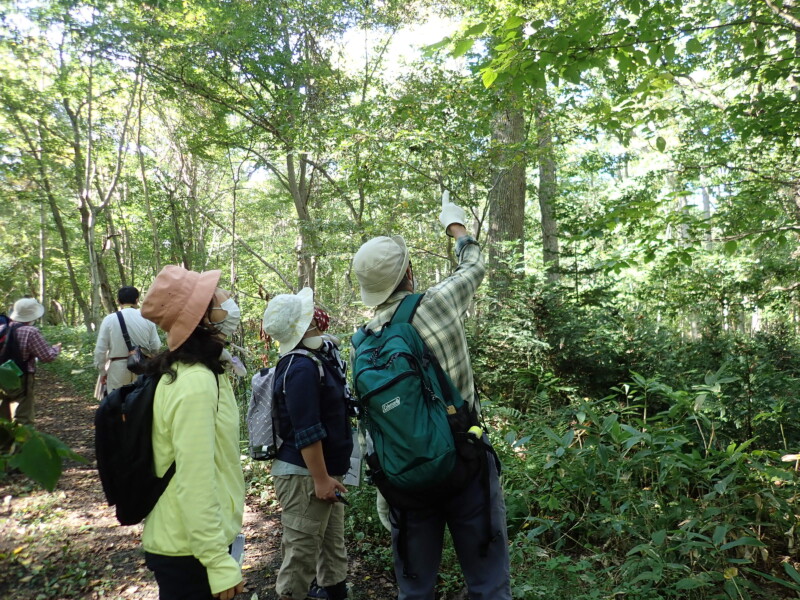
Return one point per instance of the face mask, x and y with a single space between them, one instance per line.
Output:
312 343
229 324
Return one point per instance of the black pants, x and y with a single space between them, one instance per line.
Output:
179 577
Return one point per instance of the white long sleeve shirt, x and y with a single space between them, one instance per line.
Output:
111 345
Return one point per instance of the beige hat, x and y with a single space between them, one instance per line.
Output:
26 310
288 316
380 265
177 301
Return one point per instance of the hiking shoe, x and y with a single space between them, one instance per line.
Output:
316 592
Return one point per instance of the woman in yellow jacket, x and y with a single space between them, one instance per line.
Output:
188 534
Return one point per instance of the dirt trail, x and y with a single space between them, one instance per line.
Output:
67 543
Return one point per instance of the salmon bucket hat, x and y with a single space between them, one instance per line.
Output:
26 310
380 265
177 301
287 318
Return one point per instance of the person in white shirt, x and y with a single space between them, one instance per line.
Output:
111 352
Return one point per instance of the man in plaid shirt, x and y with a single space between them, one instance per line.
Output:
385 276
19 407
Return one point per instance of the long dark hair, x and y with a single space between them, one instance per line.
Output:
202 347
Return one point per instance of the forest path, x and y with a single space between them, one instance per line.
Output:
67 543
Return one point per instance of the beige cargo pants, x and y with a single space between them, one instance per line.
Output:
313 537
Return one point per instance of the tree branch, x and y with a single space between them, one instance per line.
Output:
793 21
247 247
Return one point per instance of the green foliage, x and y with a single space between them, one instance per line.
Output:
648 503
36 454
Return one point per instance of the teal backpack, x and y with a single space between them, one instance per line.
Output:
419 425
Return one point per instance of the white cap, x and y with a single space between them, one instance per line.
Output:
380 265
26 310
288 316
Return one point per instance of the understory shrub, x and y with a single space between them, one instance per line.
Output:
643 503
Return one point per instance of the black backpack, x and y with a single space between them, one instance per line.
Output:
12 379
9 347
123 429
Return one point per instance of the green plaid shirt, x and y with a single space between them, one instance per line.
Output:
440 316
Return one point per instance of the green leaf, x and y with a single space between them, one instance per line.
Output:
535 77
730 247
475 30
661 144
690 583
39 460
440 44
647 576
488 76
659 537
462 47
694 46
513 22
743 541
791 571
653 54
572 73
719 533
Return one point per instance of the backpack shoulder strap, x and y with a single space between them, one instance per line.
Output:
8 341
359 336
124 331
407 309
312 356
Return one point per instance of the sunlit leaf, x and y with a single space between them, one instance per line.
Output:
462 47
475 30
488 77
513 22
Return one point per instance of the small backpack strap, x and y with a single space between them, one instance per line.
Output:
359 336
307 354
407 309
8 340
124 331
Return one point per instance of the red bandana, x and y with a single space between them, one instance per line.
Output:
323 320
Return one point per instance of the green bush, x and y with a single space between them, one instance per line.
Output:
650 505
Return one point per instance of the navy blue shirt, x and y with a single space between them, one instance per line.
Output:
311 410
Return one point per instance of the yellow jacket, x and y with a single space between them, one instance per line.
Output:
200 513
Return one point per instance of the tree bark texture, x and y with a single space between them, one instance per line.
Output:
507 195
547 192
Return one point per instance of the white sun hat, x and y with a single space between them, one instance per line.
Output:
26 310
288 316
380 265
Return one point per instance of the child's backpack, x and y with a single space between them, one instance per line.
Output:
12 366
262 426
422 448
124 447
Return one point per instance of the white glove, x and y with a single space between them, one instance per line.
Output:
232 362
451 213
383 511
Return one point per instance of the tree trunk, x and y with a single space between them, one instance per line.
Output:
547 193
146 187
113 242
300 188
507 195
36 147
707 214
42 258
